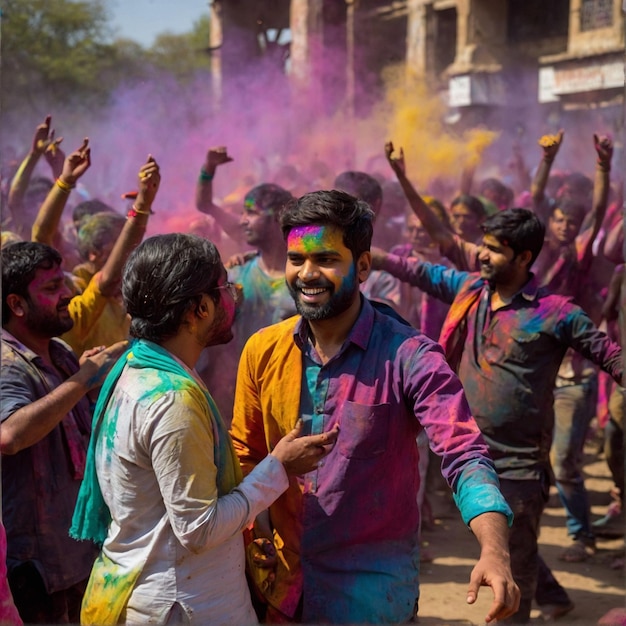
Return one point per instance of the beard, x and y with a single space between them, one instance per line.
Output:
501 275
221 329
49 325
338 302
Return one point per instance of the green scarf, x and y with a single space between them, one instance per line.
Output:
92 516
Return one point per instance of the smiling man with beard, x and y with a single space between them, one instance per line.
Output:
346 533
46 420
507 337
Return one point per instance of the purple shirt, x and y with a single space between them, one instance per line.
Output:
511 357
353 523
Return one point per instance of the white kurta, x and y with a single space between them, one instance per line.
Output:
158 478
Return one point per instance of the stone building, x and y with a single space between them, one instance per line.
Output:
487 58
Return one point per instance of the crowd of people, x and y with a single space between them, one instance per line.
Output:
239 423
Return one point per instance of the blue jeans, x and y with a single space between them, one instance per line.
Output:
574 408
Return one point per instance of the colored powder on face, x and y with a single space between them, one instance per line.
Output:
349 283
310 238
313 239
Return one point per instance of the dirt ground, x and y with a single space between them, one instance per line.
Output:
594 587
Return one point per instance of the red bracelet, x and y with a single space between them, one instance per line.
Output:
133 212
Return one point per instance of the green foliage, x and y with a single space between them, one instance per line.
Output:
51 48
184 55
59 54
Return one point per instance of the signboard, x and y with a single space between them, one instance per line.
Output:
557 81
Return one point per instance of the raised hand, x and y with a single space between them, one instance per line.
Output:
604 147
217 156
54 155
76 164
149 182
43 137
396 162
551 145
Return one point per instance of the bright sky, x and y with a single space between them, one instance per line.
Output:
143 20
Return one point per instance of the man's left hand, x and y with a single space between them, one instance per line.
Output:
493 570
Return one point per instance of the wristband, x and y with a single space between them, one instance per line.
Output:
604 166
133 212
63 186
205 177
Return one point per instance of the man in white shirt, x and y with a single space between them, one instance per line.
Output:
163 488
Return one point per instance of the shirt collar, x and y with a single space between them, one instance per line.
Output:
528 291
359 334
58 348
16 343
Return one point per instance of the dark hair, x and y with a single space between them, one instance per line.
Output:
519 229
503 194
353 217
89 207
472 203
361 186
37 186
573 208
96 231
394 198
578 184
269 197
20 261
164 277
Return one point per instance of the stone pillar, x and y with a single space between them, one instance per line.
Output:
416 38
306 26
216 40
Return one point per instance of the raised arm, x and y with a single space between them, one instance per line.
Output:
550 145
42 141
133 231
584 243
433 225
46 226
467 177
204 192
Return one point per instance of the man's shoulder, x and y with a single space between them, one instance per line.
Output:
276 332
14 352
470 281
548 300
274 338
15 355
147 386
397 333
249 265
